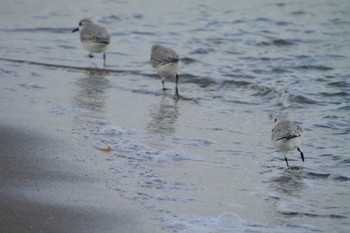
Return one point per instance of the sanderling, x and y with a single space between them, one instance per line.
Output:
94 38
286 135
166 62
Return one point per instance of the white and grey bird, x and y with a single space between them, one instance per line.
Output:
286 136
167 64
94 38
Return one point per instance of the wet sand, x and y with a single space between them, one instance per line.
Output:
44 188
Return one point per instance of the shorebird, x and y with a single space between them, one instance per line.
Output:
167 63
94 38
286 136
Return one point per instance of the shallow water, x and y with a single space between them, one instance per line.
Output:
204 162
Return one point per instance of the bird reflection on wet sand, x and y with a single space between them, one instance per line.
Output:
290 182
91 91
163 116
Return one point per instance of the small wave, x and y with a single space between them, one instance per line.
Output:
89 69
201 51
238 21
262 19
279 70
39 29
334 94
278 43
260 71
261 90
324 126
282 23
301 214
282 42
188 60
302 100
299 12
201 81
258 89
143 33
237 83
344 106
341 84
65 47
110 18
336 177
338 21
314 67
281 4
346 161
317 175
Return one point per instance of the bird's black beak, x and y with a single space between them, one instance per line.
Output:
77 29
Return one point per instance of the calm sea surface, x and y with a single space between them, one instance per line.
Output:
204 162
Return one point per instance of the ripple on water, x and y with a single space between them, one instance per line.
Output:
305 214
334 94
314 175
188 60
200 81
341 84
339 177
237 83
314 67
276 42
279 70
110 19
39 29
300 99
299 12
344 106
261 90
201 51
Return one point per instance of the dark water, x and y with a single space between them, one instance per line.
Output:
204 162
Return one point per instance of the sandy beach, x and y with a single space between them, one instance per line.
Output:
45 187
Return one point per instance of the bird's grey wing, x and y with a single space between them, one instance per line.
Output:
172 56
96 33
162 56
287 131
296 130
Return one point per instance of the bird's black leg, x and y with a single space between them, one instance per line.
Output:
285 158
176 89
301 154
104 60
164 89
